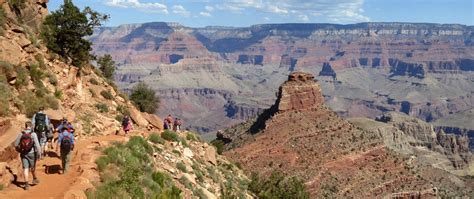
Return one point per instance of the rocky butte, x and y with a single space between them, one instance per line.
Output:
301 137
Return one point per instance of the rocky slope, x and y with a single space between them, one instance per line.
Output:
32 77
424 70
301 137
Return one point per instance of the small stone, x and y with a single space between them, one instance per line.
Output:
188 153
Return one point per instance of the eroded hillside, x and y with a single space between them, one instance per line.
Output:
424 70
301 137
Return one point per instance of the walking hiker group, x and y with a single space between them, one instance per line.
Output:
32 144
169 124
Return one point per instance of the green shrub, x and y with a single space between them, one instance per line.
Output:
155 138
102 163
93 81
58 94
181 167
36 73
144 98
119 118
2 20
53 79
5 96
86 119
40 89
170 136
52 102
103 108
122 109
192 137
31 103
93 94
17 5
106 94
21 76
277 186
183 180
219 144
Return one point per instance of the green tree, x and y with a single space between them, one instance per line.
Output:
144 98
107 66
64 31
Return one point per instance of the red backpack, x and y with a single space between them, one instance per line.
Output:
26 143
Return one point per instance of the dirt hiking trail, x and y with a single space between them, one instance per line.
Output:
52 184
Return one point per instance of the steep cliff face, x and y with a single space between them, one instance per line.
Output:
299 136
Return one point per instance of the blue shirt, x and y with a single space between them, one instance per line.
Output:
63 134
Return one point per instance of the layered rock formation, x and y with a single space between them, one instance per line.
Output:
299 136
426 67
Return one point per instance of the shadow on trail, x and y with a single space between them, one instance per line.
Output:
52 154
52 169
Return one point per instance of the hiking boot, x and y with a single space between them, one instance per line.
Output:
27 186
35 181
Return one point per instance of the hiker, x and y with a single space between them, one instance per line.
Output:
168 123
62 125
49 138
126 124
65 145
177 125
40 122
30 151
70 128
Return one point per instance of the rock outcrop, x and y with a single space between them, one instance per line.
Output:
299 136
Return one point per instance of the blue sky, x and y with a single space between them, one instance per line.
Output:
200 13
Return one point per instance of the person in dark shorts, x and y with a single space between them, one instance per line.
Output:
28 145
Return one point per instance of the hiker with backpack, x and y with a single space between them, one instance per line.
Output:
126 124
40 122
65 145
30 151
168 123
49 138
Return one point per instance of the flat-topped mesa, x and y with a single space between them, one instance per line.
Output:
300 92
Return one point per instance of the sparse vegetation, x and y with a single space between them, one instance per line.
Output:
93 81
103 108
58 94
106 94
192 137
5 96
122 109
170 136
277 186
53 80
144 98
219 144
155 138
67 39
86 119
17 5
181 167
2 20
135 177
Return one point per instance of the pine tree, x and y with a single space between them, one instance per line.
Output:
107 66
64 31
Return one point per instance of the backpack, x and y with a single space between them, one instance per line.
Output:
50 134
66 144
40 123
26 143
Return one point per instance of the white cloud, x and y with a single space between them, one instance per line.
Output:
180 10
332 10
149 7
209 8
266 18
205 14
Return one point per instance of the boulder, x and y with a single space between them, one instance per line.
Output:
54 114
210 155
188 153
189 178
208 194
154 120
138 118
